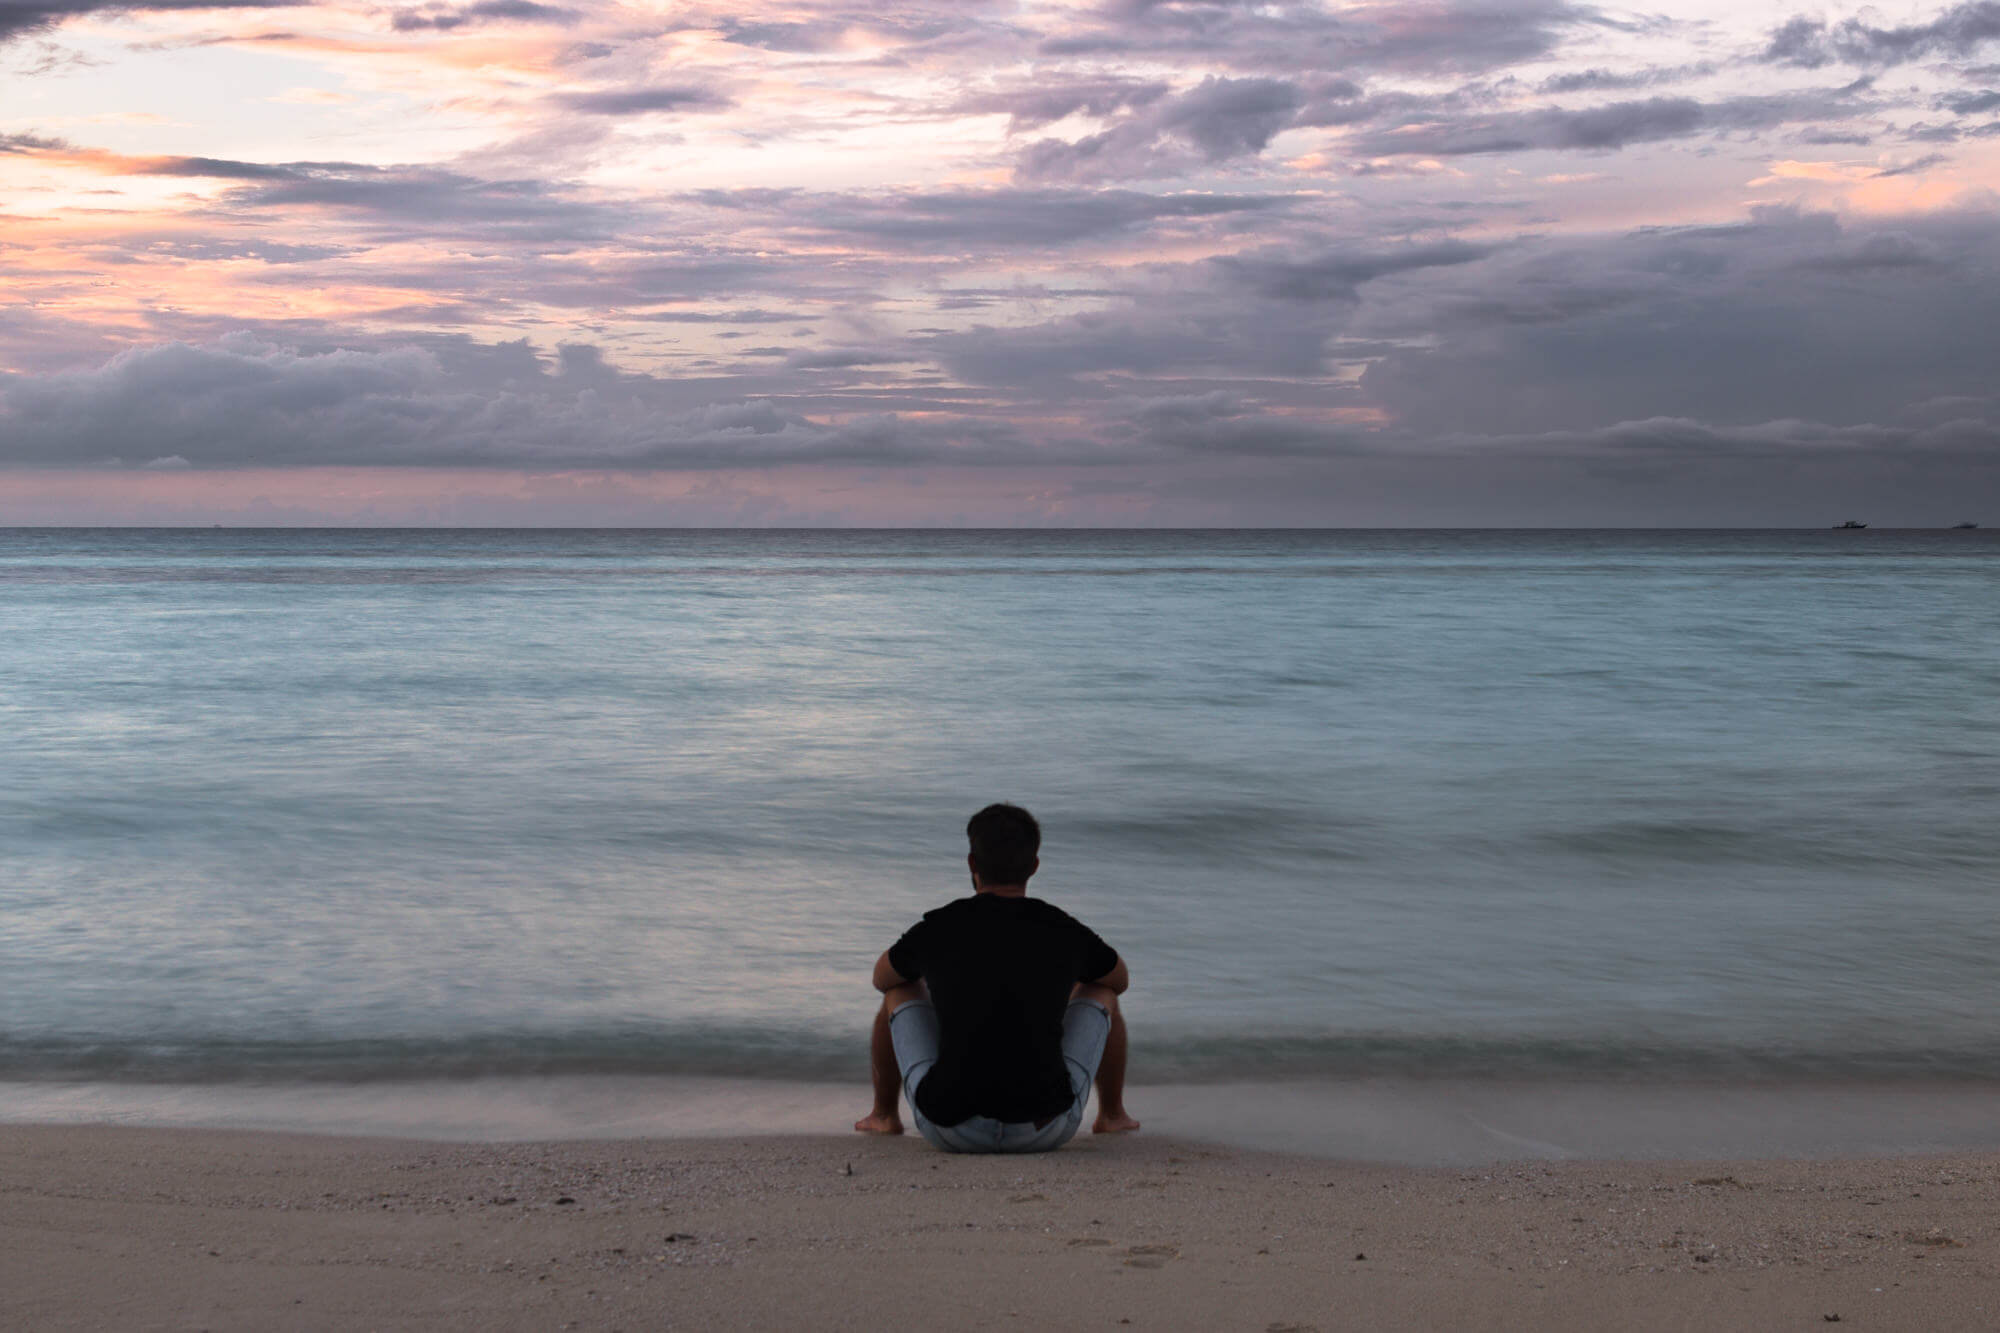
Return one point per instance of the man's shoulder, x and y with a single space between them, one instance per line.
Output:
1049 914
957 907
973 904
1043 907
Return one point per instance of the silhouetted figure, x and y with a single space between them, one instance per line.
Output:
998 1011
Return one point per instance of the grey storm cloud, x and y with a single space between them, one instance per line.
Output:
1784 317
1338 274
246 402
643 101
1410 36
1221 423
808 38
1042 104
729 317
1884 250
815 28
1001 219
427 196
1972 104
1611 126
445 18
1612 81
220 168
842 358
1222 119
1392 323
18 17
209 168
1810 43
1214 121
1057 352
1961 441
421 191
1912 168
1265 313
1168 335
29 143
1806 342
1787 316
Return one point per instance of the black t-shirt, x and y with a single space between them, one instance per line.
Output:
1000 972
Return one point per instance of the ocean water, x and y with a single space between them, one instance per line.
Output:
410 804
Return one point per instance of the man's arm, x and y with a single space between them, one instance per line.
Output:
887 978
1115 981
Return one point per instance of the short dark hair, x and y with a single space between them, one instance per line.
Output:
1005 841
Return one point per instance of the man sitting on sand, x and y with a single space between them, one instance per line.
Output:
998 1010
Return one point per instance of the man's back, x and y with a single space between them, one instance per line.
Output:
1000 970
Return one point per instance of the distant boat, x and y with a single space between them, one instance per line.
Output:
1851 523
1958 526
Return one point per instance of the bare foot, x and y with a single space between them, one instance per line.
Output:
1114 1122
875 1122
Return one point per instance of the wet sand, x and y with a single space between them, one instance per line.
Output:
1416 1122
111 1227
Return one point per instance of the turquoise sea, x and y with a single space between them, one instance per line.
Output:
407 804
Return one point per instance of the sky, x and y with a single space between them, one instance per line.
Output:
975 263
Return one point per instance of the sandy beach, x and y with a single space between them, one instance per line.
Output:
110 1227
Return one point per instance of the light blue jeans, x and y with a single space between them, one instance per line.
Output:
914 1029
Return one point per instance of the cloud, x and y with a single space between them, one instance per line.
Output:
1611 81
793 38
217 168
414 194
643 101
1883 250
446 18
246 402
1972 104
1810 43
1008 218
1282 234
1044 103
1218 119
27 144
19 17
1789 315
431 197
1637 376
728 316
1425 37
904 26
1218 423
1914 167
1081 357
1338 274
1611 126
842 358
1790 439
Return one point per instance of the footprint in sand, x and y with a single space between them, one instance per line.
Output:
1090 1240
1150 1256
1282 1327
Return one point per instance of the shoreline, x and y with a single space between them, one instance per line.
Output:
1411 1122
172 1228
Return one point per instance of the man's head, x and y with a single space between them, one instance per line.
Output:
1006 842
